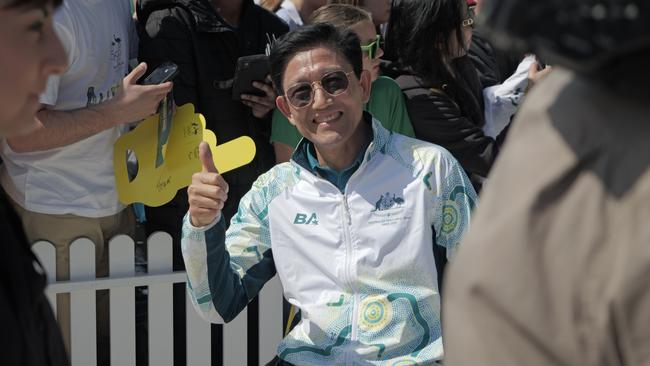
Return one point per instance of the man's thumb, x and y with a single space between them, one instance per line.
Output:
205 154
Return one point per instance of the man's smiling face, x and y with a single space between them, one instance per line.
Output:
329 121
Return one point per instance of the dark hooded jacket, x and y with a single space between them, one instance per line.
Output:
494 65
29 334
193 35
451 115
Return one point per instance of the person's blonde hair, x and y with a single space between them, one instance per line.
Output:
339 15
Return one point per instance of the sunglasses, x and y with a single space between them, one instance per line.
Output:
372 48
334 83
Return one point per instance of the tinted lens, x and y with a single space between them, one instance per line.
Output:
300 95
335 83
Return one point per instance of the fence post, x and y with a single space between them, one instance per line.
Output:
46 253
199 348
122 310
83 343
161 335
270 326
122 299
235 340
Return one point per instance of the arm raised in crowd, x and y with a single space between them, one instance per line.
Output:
55 129
225 271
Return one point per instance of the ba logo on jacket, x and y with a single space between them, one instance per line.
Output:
303 219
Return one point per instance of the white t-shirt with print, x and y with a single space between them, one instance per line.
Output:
99 37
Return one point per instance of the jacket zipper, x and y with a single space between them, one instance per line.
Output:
347 222
348 244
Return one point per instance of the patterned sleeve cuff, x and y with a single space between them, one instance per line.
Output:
200 229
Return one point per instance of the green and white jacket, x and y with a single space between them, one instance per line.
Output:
358 264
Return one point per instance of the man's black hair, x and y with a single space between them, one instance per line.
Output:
342 41
28 4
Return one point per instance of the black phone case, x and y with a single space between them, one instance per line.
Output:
249 69
156 77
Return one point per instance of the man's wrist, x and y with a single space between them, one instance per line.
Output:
202 225
107 113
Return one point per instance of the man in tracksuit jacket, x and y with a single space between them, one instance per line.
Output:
348 224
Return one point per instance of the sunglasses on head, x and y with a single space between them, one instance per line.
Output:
372 48
334 83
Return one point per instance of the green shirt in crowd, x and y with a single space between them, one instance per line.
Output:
386 104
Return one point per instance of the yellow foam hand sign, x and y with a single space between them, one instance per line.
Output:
159 177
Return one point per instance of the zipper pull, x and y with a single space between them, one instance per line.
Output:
347 209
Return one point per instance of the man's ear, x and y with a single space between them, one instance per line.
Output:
366 85
283 106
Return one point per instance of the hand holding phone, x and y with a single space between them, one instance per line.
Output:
250 69
163 73
133 101
261 105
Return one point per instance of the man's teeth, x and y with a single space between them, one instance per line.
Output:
329 118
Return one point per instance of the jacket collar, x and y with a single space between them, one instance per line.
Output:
379 144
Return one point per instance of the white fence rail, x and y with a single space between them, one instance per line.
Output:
160 279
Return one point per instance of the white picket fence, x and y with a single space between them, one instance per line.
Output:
160 278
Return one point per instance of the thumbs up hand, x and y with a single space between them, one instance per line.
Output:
208 191
207 163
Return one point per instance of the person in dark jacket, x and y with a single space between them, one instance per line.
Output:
494 65
429 40
205 38
29 53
